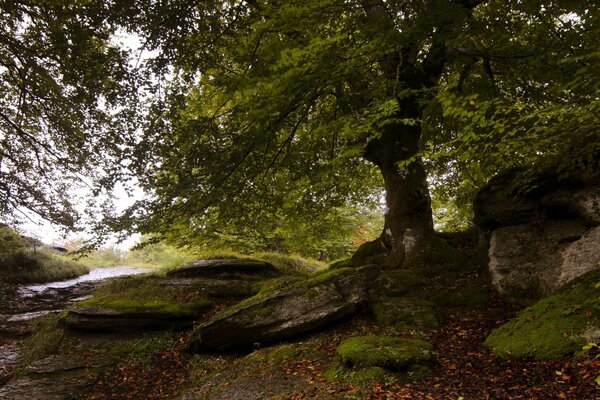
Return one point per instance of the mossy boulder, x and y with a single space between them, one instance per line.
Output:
405 313
390 353
279 314
372 252
119 315
137 303
228 268
397 282
216 288
556 326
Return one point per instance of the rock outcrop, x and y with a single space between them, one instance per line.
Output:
225 269
283 313
107 319
539 239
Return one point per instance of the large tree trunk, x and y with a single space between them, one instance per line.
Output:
408 229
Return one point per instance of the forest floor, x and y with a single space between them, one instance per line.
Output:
145 366
464 369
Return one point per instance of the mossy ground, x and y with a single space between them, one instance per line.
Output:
553 327
392 353
145 294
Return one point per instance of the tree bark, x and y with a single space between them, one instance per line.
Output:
408 229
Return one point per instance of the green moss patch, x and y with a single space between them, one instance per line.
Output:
405 313
148 306
554 326
145 295
392 353
326 276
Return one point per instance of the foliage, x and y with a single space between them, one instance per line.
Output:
63 118
47 338
265 119
22 260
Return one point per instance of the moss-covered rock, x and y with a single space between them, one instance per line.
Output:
555 326
226 268
345 263
372 252
137 303
392 353
405 313
397 282
277 313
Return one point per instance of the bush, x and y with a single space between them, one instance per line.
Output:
21 261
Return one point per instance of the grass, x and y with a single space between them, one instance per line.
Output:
47 337
143 294
38 266
24 260
162 255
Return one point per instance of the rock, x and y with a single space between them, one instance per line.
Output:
405 313
68 362
215 288
525 261
106 319
580 257
68 387
556 326
585 203
392 353
540 238
396 282
225 269
497 205
283 313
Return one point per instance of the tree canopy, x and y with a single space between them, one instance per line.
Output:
263 113
63 89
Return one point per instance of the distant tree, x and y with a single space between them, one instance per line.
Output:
291 106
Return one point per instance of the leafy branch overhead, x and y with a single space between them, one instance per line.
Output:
243 115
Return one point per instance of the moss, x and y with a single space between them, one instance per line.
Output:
149 306
553 327
405 313
391 353
398 282
345 263
372 252
326 276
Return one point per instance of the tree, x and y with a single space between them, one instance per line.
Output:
272 102
63 92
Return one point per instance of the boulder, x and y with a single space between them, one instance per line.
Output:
391 353
283 313
227 268
405 313
215 288
540 238
556 326
526 262
107 318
